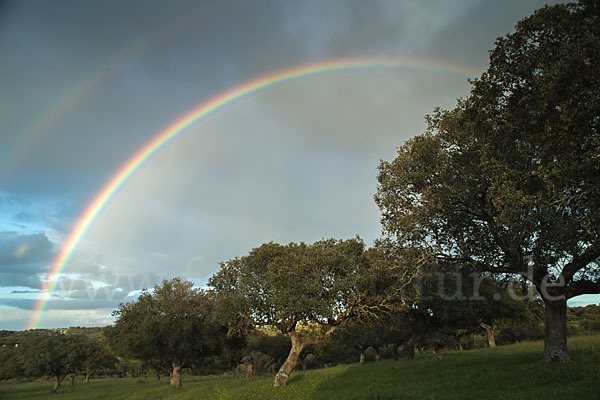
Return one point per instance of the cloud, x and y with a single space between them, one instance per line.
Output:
473 32
15 319
62 304
583 300
100 294
22 257
24 249
66 284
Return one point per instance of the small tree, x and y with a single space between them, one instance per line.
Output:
174 322
302 290
374 334
98 357
56 356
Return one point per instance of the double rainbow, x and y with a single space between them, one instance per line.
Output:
163 137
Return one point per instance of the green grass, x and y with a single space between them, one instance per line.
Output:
508 372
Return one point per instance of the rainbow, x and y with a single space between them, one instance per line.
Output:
67 101
112 186
72 97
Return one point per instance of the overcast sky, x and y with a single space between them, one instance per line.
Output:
84 84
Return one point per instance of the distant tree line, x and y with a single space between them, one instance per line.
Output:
84 353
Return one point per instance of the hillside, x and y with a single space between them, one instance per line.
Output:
508 372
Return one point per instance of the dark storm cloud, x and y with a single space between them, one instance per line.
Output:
22 278
22 257
385 27
474 32
161 56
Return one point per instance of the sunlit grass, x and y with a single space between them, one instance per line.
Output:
508 372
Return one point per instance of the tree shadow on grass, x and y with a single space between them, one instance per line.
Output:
355 382
295 379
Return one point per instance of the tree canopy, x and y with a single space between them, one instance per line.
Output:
509 180
303 290
56 355
173 324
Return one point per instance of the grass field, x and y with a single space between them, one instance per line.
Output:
508 372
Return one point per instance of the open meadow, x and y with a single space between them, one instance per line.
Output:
507 372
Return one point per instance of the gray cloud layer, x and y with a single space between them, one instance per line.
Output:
85 84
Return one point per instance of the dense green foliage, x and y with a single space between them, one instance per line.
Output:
304 291
53 354
508 372
286 285
509 181
172 326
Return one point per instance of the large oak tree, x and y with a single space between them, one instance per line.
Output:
509 180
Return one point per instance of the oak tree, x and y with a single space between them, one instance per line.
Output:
174 323
509 180
302 290
55 355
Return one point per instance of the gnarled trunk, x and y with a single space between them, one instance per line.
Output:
87 376
57 383
490 334
298 344
555 337
176 374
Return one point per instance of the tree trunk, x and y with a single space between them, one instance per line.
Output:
377 355
57 383
87 376
298 344
72 381
176 374
302 363
555 337
490 334
408 350
362 355
408 347
395 351
459 345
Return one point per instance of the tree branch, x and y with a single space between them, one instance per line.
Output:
591 254
583 286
